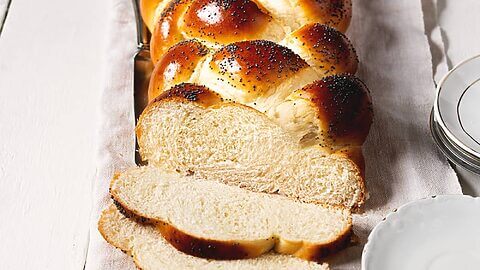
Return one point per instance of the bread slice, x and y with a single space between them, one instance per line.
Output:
212 220
190 130
150 251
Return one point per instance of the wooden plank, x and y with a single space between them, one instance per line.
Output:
51 62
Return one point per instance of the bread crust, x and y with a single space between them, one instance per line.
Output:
256 66
176 66
213 249
318 253
344 108
147 10
327 49
232 250
210 21
166 32
188 92
225 21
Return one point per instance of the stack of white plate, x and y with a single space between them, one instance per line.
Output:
455 121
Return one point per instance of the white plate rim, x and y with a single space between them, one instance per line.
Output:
436 108
400 210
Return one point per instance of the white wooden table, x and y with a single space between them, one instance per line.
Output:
51 64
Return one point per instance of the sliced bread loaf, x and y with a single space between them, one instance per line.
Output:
151 251
212 220
189 129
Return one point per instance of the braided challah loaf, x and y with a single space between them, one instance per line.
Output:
284 58
257 94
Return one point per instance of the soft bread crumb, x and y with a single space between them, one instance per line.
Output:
242 147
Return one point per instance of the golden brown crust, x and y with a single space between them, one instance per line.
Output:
224 21
176 66
206 248
214 21
255 66
166 32
128 214
329 50
198 94
227 21
318 253
335 13
147 10
344 108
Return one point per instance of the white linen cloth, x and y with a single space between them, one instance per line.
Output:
402 161
116 144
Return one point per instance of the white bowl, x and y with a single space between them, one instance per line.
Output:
438 233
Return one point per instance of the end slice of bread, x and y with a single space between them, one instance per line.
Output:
190 130
213 220
151 251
